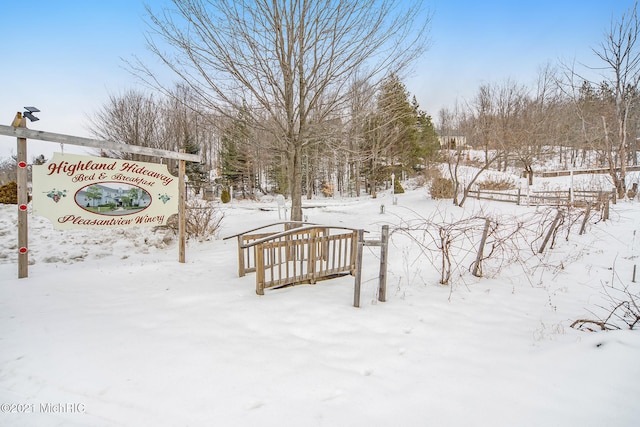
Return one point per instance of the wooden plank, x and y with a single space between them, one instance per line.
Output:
311 264
259 269
241 258
40 135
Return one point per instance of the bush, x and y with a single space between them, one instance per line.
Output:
9 193
326 189
225 196
202 220
442 188
397 187
497 184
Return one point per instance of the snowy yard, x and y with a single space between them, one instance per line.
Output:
110 330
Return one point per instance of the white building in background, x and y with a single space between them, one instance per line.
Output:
111 195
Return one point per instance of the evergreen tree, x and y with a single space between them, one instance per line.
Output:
194 170
235 160
426 146
398 136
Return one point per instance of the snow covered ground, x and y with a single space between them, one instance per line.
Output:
110 330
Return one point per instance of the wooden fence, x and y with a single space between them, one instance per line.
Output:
546 198
246 253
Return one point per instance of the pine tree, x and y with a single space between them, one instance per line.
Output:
194 171
235 160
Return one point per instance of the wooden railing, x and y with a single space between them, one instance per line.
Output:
298 255
246 256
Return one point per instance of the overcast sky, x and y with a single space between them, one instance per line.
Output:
64 56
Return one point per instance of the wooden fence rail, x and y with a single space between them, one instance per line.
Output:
546 198
246 253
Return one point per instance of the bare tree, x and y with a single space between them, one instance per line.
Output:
284 59
489 120
131 117
620 55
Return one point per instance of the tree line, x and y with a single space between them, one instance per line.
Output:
302 98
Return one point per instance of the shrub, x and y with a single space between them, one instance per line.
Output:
9 193
225 196
442 188
497 184
397 187
202 220
327 189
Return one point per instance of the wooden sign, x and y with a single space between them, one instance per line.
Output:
75 191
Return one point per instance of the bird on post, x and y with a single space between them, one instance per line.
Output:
17 122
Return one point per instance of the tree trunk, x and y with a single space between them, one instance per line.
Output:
529 169
295 163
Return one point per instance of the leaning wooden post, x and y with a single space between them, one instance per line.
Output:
477 269
586 218
384 250
550 233
358 275
23 200
182 221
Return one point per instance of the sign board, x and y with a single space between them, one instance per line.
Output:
75 191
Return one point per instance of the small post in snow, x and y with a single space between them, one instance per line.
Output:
477 268
358 274
551 230
384 250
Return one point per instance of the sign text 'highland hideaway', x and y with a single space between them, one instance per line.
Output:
74 191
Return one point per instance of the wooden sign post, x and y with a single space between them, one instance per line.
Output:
23 201
19 130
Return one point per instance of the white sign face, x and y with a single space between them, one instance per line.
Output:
75 191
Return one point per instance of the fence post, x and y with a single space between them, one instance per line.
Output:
550 233
477 269
259 258
241 256
358 275
384 249
518 200
586 218
311 262
605 215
